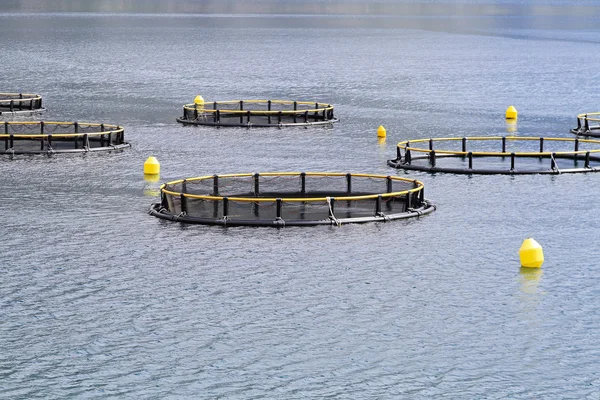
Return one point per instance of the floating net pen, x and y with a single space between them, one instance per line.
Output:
258 113
20 103
588 125
40 137
510 155
281 199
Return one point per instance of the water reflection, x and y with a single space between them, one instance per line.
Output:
530 279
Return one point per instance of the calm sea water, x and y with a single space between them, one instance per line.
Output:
100 300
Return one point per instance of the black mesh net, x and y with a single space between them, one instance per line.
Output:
258 113
291 199
15 102
499 155
56 137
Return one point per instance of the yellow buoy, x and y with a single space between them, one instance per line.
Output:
199 100
151 166
381 132
531 254
511 113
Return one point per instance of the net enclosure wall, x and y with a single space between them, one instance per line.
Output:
510 155
20 103
39 137
291 199
258 113
587 125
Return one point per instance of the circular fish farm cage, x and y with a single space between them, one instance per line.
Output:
281 199
258 113
499 155
39 137
588 125
20 103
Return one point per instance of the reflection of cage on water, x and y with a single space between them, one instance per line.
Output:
291 199
20 103
511 155
39 137
258 113
588 125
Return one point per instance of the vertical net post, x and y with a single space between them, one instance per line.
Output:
12 141
408 201
303 182
183 201
553 162
503 144
578 124
279 117
389 184
464 145
248 117
378 206
306 117
256 185
49 142
432 158
218 116
278 201
225 207
42 127
86 141
316 113
512 161
470 157
31 104
576 146
585 119
20 101
430 144
407 155
348 183
541 145
269 105
215 185
587 159
12 105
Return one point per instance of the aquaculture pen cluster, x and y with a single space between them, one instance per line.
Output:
20 103
258 113
291 199
512 155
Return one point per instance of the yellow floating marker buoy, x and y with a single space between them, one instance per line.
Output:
381 132
151 166
511 113
199 100
531 254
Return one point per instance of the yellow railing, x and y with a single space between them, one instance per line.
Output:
419 187
407 146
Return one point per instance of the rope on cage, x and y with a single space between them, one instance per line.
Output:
333 218
555 163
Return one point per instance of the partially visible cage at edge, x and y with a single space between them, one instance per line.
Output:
510 155
20 103
587 125
291 199
41 137
258 113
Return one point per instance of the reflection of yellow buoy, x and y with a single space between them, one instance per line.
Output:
199 100
151 166
511 113
381 132
381 140
151 177
531 254
530 279
511 125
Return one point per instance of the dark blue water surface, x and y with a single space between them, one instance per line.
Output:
100 300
